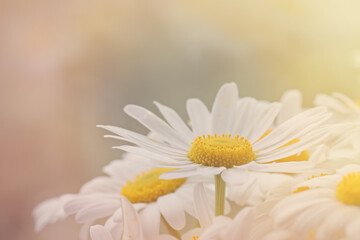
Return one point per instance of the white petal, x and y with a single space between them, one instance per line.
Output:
151 155
132 224
294 127
202 206
141 140
223 109
241 225
100 184
172 210
176 122
291 105
99 232
50 211
352 230
235 176
115 228
243 116
150 221
97 210
289 208
199 116
85 230
348 102
156 125
265 121
335 221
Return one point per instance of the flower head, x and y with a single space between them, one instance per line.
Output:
237 133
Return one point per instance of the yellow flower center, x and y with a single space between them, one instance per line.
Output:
348 190
147 187
221 151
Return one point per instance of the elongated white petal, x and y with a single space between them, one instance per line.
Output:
131 222
199 115
97 210
176 122
264 121
224 108
156 125
140 140
202 206
291 105
172 210
150 221
241 225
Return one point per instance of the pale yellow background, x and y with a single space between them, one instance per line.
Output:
66 66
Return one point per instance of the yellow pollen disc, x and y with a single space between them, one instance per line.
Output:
348 190
147 187
221 151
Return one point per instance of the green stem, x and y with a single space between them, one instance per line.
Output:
219 195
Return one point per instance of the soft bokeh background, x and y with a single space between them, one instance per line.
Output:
66 66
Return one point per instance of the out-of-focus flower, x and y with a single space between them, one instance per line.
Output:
327 206
150 196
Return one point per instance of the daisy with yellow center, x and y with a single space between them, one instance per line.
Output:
152 198
231 136
327 206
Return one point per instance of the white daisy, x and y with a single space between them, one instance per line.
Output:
210 149
235 134
327 206
151 197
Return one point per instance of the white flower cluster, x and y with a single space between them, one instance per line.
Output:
247 169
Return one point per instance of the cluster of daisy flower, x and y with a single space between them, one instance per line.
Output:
247 169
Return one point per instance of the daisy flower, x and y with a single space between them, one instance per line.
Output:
244 140
327 207
237 133
152 198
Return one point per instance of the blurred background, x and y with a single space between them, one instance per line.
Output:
66 66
